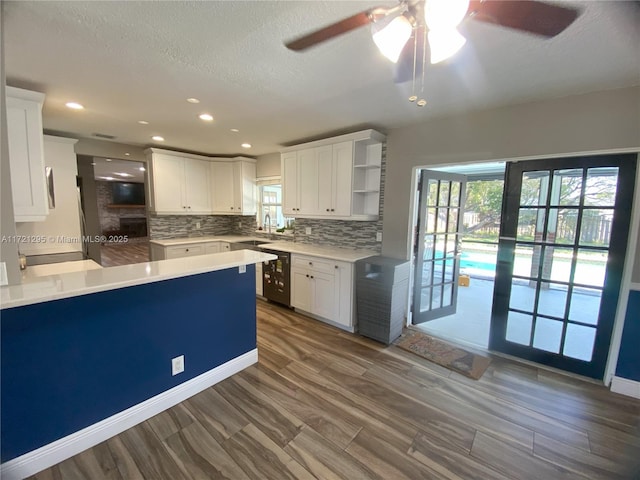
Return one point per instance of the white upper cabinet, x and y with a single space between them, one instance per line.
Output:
336 177
222 182
234 186
178 185
290 184
186 184
26 155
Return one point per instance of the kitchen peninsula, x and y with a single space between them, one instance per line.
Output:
88 354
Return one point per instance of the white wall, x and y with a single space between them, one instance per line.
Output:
64 219
268 165
590 123
8 251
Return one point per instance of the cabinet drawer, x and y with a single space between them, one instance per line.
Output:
313 263
187 251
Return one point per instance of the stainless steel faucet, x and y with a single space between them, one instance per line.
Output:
267 218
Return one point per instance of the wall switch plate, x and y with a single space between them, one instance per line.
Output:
378 236
197 225
242 268
4 280
307 230
177 365
239 224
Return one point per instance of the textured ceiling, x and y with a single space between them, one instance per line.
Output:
130 61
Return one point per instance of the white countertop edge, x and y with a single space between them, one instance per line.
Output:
331 253
66 285
172 242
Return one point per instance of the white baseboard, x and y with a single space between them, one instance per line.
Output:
625 386
55 452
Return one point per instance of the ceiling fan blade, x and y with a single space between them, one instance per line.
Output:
530 16
351 23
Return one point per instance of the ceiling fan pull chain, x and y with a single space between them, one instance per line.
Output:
413 96
422 102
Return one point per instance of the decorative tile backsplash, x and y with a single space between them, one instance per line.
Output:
163 227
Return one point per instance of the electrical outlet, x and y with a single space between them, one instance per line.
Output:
197 225
242 268
177 365
307 230
378 236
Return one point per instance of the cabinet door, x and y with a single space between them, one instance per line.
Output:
344 297
325 179
168 183
26 158
244 179
324 300
308 181
289 166
212 247
341 181
301 294
223 191
197 186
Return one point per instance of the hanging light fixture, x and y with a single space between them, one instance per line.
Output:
391 35
444 43
442 18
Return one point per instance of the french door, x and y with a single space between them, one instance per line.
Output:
440 213
563 239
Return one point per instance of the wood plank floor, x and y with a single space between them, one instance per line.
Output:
322 403
115 254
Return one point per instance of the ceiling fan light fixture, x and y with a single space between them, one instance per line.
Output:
444 43
441 14
391 35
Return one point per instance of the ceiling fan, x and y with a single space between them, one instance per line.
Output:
437 21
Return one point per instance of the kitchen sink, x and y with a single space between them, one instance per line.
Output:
253 242
248 244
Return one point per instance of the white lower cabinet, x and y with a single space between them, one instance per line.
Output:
159 252
323 288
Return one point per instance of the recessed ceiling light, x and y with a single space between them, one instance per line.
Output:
193 100
235 130
93 163
206 117
157 138
127 154
143 122
107 159
142 169
107 178
123 174
74 106
246 145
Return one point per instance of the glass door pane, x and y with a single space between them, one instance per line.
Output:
437 260
560 258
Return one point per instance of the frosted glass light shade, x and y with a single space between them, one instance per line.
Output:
444 43
441 14
392 37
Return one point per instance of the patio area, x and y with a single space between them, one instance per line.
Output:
471 323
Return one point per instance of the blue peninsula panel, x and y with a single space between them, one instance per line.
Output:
67 364
629 359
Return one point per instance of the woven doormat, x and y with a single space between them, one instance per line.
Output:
443 353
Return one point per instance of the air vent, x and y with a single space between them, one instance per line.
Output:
103 135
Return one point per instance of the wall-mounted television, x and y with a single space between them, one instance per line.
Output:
128 193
